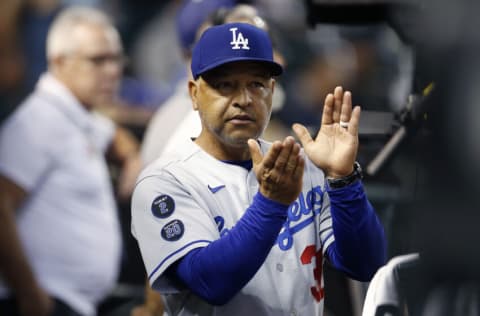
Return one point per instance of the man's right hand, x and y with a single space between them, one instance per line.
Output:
280 171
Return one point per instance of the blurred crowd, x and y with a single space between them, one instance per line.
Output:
152 103
317 57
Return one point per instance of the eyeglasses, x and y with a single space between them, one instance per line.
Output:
103 59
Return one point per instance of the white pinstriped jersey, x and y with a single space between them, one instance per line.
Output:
187 199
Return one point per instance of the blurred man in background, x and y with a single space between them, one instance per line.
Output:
60 241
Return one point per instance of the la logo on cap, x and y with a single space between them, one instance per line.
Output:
238 39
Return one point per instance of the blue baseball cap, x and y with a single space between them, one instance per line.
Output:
232 42
191 14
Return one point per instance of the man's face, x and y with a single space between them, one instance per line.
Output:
234 102
93 71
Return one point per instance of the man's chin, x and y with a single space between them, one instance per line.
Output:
240 141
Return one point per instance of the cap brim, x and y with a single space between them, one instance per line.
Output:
275 68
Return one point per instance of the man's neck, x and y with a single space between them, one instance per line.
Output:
223 151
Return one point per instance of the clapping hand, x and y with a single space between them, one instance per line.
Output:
280 171
334 150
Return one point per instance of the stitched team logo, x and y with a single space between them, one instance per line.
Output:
301 213
163 206
238 41
173 230
220 221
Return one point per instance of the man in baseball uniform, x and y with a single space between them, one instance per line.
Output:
229 224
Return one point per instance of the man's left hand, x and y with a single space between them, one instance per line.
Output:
334 150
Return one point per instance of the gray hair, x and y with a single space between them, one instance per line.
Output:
59 38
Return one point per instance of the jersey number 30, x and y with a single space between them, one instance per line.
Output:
306 258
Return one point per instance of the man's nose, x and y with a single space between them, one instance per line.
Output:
243 97
112 70
114 65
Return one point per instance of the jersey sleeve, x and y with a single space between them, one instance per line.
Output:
326 230
168 222
316 178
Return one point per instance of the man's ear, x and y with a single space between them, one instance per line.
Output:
272 83
192 90
54 62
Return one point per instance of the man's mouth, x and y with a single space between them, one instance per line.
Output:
241 119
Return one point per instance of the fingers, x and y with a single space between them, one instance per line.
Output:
327 115
302 134
280 171
255 151
298 172
283 157
354 121
292 161
337 107
271 156
346 108
279 163
337 103
286 162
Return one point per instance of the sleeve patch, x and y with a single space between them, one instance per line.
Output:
163 206
173 231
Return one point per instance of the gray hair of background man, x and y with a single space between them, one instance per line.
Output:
60 34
